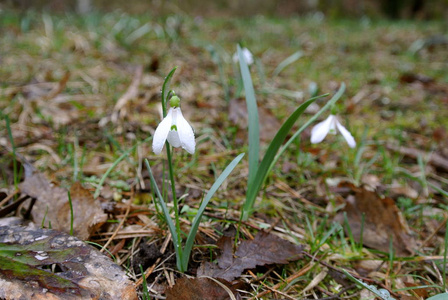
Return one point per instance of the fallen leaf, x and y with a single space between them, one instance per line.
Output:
420 292
264 249
383 221
48 264
52 205
200 289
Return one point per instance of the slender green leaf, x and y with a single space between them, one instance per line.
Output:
289 60
252 111
168 218
123 156
208 197
255 186
442 296
71 212
165 87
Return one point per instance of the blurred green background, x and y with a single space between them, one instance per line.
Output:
396 9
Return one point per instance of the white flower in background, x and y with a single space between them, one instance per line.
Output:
332 125
174 129
247 56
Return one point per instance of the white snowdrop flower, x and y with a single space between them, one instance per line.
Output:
332 125
174 129
247 56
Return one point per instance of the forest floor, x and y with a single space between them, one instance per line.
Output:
80 100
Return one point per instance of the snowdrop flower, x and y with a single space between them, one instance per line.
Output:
332 125
174 129
247 56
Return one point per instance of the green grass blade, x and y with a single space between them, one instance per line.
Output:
169 220
444 256
289 60
165 87
198 217
145 292
252 111
123 156
255 186
71 212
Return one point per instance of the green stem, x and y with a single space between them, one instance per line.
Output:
175 203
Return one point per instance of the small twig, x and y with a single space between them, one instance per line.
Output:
338 295
432 158
354 275
128 209
257 279
9 197
441 225
301 272
151 269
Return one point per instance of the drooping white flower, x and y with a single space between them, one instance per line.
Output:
247 56
331 125
176 130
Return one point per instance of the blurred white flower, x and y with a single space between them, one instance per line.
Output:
332 125
247 56
176 130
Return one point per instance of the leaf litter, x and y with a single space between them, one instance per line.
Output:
50 106
264 249
53 207
376 222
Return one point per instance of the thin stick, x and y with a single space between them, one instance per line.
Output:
301 272
128 209
8 197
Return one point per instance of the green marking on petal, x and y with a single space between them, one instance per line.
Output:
173 127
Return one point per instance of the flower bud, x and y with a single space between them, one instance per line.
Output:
174 101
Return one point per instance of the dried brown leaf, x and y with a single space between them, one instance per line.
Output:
383 221
48 264
200 289
264 249
52 205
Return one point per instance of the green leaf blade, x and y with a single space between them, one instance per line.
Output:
208 197
253 120
269 157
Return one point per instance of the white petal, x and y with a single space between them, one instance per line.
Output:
333 122
248 56
320 131
161 133
346 134
173 138
186 134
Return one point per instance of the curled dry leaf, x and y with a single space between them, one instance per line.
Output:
52 205
383 221
48 264
201 289
264 249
